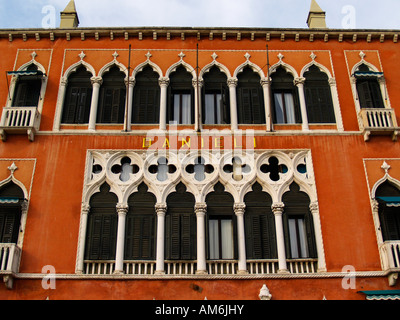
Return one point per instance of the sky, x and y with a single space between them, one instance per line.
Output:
341 14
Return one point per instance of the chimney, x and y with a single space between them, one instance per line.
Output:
69 17
316 17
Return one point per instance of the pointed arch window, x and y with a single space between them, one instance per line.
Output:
318 97
259 225
250 98
216 97
181 97
298 224
140 225
11 198
28 87
78 97
222 240
285 98
102 225
111 108
388 197
146 97
368 88
180 225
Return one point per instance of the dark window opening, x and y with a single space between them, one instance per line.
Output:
318 97
27 90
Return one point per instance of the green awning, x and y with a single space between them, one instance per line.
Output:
390 201
367 74
382 295
9 200
25 73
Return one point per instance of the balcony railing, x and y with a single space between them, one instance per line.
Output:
379 121
9 262
19 120
391 250
189 267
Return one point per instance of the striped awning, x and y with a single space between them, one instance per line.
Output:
9 200
382 295
390 201
25 73
368 74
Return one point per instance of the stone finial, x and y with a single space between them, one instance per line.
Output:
316 17
69 17
264 293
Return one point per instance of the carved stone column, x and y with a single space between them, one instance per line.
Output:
82 236
232 83
336 107
314 208
200 209
164 83
197 84
122 210
60 103
239 209
277 209
161 209
266 85
96 83
129 101
299 83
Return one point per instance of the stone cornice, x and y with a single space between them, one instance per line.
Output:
168 33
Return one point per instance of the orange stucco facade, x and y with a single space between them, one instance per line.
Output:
346 167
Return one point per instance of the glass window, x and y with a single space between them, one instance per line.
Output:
221 239
182 112
213 110
284 107
298 239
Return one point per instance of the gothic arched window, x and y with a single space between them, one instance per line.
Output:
101 231
222 242
11 197
180 222
259 225
111 107
298 224
78 97
318 97
388 197
181 97
140 225
146 97
215 97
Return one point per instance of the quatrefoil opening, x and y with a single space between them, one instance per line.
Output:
162 169
237 169
274 168
125 169
199 168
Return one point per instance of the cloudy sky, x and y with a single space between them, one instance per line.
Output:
342 14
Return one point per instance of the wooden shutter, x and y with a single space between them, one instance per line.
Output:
77 105
245 112
101 238
139 238
319 104
364 94
181 236
9 224
146 105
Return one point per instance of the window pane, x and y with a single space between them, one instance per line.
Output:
293 239
298 238
186 109
302 238
177 104
279 108
289 105
218 109
209 109
227 239
213 239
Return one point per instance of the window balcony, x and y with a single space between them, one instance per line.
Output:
214 267
19 120
9 262
379 121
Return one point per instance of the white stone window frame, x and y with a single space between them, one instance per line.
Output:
14 80
161 190
382 84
